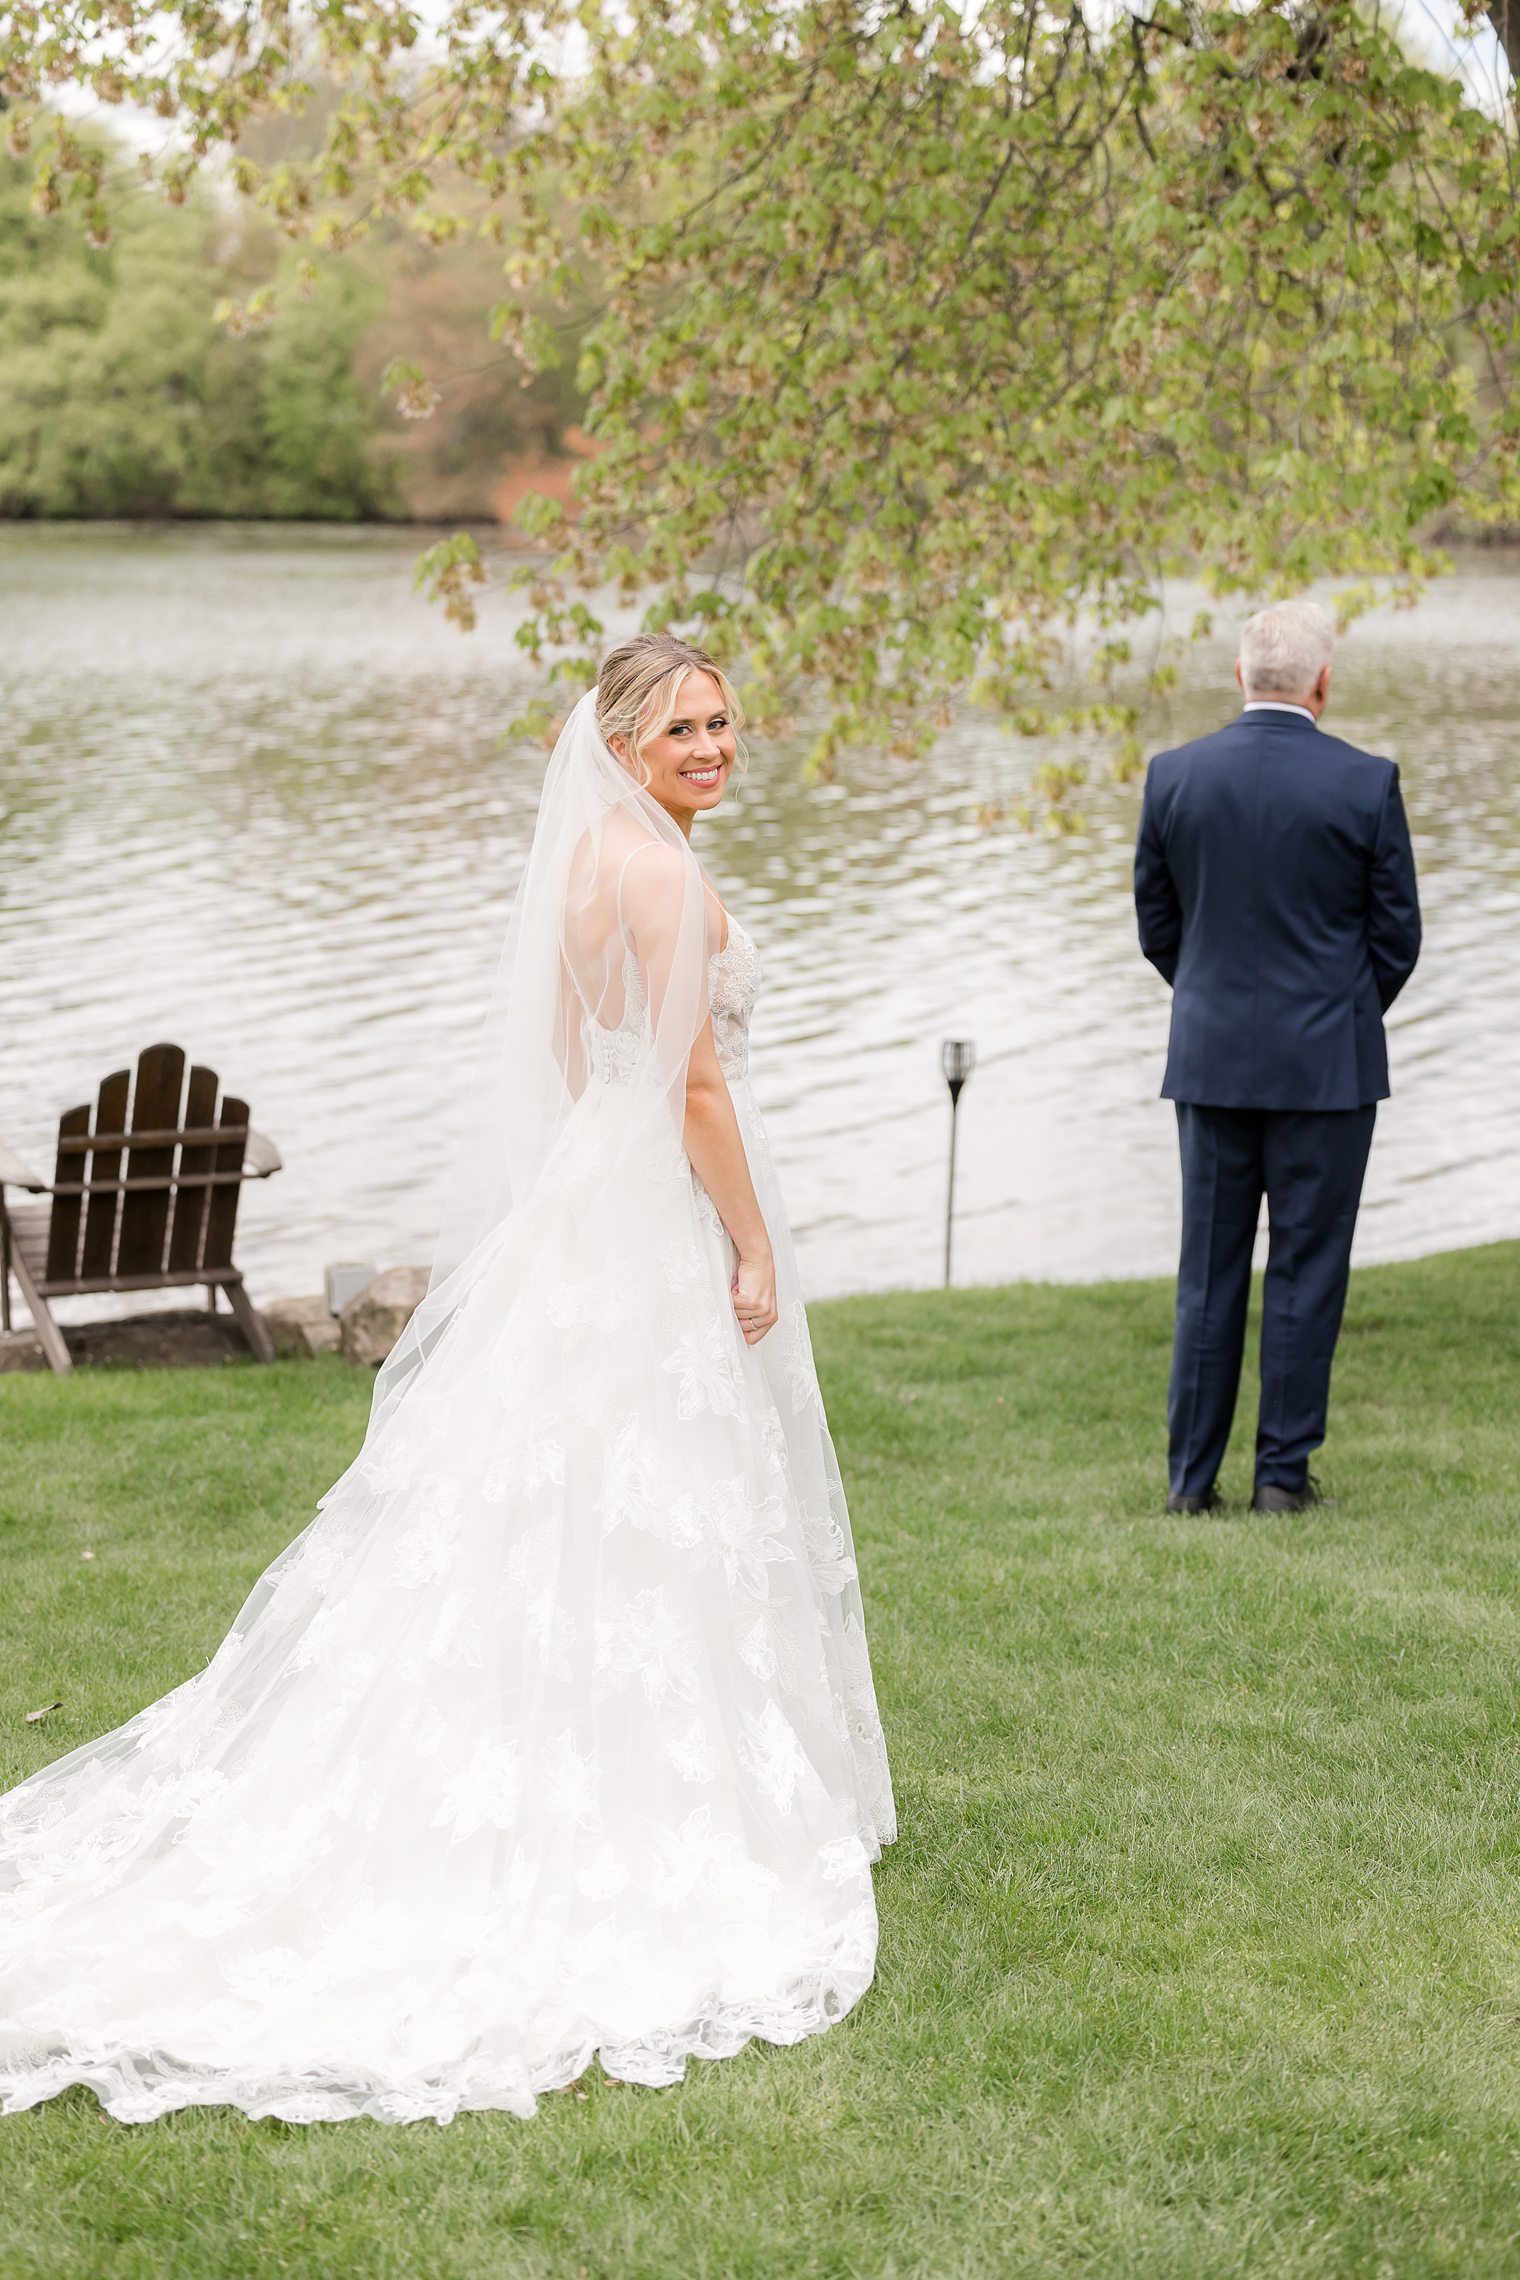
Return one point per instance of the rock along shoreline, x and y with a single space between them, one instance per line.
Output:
363 1333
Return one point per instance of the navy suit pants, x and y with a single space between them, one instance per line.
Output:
1309 1165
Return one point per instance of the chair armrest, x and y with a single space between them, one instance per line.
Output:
15 1173
260 1157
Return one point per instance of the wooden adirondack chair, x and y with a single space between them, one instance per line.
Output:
146 1200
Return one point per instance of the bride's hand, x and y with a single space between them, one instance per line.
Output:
755 1298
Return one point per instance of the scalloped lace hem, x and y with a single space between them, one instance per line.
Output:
141 2087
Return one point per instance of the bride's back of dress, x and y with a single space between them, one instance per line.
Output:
554 1733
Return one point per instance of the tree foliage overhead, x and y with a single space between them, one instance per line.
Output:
120 394
905 331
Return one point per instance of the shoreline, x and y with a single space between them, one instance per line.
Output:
175 1335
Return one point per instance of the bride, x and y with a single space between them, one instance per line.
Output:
554 1734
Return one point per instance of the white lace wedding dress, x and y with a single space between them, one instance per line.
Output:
554 1734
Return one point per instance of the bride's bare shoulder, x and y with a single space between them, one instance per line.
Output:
646 869
605 851
640 883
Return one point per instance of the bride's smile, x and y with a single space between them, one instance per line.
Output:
685 762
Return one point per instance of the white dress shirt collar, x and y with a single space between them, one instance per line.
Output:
1270 704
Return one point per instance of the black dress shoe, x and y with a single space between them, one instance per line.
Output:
1210 1501
1270 1498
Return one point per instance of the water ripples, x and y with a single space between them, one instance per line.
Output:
253 798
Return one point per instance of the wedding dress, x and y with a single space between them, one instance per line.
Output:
554 1734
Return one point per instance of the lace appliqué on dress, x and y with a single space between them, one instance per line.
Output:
555 1733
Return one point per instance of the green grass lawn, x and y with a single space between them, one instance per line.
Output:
1201 1945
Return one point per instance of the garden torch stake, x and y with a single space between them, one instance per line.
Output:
957 1057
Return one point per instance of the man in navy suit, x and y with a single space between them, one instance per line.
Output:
1275 886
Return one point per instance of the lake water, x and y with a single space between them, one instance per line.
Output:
253 798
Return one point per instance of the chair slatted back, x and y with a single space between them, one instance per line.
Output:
112 1226
101 1211
195 1158
221 1211
66 1221
145 1212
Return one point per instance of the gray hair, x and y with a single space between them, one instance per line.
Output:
1284 650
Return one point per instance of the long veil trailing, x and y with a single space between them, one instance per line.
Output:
553 1734
604 855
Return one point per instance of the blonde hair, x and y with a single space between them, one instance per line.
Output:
639 684
1284 650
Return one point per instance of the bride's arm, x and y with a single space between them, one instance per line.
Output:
716 1148
668 933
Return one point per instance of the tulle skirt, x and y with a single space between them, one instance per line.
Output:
553 1735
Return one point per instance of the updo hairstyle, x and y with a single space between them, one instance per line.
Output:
637 688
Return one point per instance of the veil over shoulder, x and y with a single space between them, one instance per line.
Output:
554 1733
611 896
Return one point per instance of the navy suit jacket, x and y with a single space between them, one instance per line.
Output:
1275 887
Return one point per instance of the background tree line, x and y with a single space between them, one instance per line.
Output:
123 392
